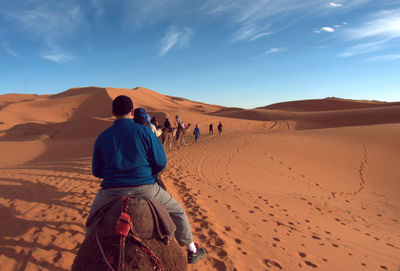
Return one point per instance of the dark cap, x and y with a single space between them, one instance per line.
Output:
140 115
122 105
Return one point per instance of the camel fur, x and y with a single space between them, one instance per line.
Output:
89 257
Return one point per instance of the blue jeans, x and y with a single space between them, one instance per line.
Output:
183 233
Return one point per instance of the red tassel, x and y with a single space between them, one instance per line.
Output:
123 225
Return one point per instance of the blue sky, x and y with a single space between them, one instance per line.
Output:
242 53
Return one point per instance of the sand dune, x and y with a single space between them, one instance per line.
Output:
327 104
305 185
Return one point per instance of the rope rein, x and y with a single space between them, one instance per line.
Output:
124 228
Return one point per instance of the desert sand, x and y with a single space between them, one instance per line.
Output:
305 185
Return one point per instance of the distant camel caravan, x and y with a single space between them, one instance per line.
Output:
106 248
168 135
181 135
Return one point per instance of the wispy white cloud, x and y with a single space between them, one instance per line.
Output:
49 22
215 7
382 25
175 38
253 17
57 55
138 14
375 34
251 32
9 50
363 48
325 29
335 5
271 51
384 57
258 36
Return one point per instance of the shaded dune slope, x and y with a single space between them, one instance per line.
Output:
312 114
326 104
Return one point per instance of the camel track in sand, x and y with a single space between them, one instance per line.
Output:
212 167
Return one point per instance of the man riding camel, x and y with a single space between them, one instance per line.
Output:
167 125
179 122
128 157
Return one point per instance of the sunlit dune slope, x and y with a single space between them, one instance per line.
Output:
80 114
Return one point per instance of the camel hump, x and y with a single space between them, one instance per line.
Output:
144 210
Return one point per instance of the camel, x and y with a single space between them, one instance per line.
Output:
101 248
180 135
167 136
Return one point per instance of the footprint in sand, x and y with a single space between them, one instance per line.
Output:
272 263
218 265
302 254
316 237
313 265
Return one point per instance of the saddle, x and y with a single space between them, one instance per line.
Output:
149 218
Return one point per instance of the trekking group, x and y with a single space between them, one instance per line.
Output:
129 157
